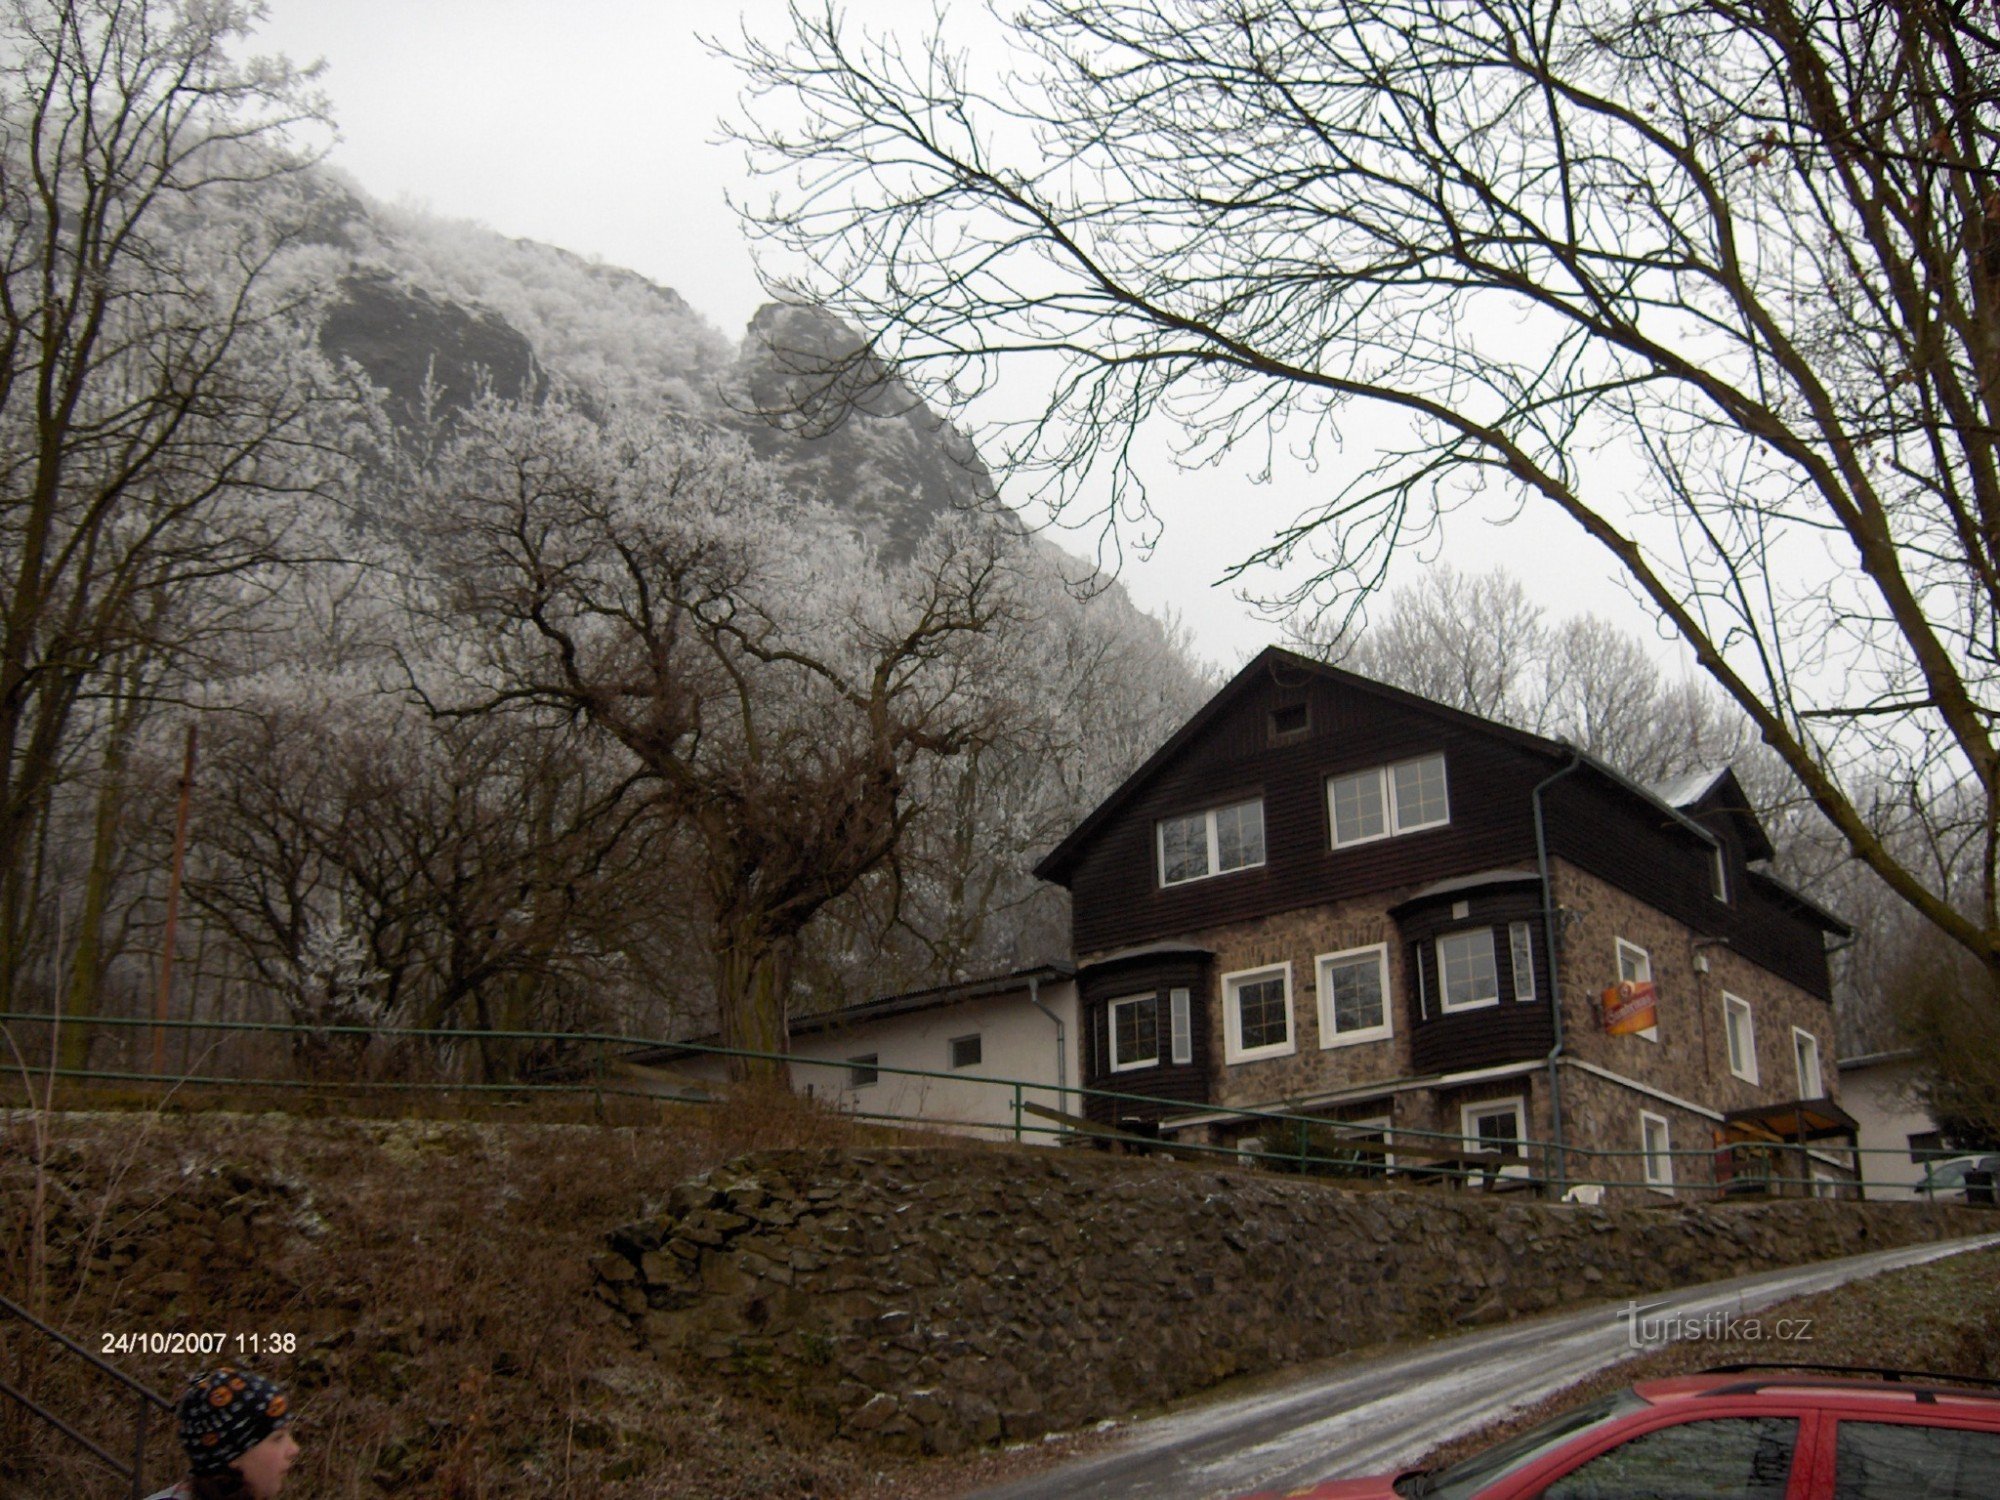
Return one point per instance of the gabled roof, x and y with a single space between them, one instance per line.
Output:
1275 663
1688 788
1716 790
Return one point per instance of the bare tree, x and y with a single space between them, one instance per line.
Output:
1095 686
1945 1009
774 688
369 865
1477 641
143 404
1717 280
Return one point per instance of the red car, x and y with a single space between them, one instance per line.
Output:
1736 1434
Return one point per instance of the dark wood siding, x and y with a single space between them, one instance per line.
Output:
1621 840
1607 830
1118 901
1514 1030
1183 1084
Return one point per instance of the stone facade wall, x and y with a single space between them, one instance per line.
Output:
935 1299
1691 1057
1689 1061
1298 938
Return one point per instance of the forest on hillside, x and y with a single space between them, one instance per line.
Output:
491 644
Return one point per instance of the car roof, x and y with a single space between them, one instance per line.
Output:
1810 1385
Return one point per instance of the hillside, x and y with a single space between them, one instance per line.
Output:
435 311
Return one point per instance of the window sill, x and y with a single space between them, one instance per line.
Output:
1176 885
1355 1038
1232 1057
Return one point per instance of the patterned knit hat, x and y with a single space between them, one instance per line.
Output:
225 1413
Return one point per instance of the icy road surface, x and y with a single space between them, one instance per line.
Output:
1373 1415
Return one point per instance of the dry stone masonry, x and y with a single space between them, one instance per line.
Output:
937 1298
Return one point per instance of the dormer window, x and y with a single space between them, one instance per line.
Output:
1388 800
1215 842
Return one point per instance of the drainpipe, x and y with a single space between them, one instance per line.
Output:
1555 968
1062 1045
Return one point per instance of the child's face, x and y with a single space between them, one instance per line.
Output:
263 1467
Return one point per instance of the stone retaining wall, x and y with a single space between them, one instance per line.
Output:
935 1298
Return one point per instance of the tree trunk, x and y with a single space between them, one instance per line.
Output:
87 968
753 989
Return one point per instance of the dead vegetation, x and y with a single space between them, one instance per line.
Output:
432 1275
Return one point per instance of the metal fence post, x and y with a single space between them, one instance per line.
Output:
1017 1111
139 1453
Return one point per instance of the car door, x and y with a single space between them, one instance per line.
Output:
1742 1455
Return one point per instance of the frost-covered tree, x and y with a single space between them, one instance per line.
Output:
1094 686
1477 642
147 414
774 688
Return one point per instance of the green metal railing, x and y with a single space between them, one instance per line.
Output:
1292 1138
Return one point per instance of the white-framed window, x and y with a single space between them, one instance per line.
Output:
966 1051
1636 964
1354 996
1498 1125
1468 977
1656 1141
1134 1027
1257 1013
861 1071
1740 1029
1180 1025
1384 800
1805 1047
1195 846
1521 948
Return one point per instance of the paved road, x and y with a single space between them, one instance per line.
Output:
1369 1416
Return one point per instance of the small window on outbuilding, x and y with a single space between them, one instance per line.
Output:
861 1072
965 1051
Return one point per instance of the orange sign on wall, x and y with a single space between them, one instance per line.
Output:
1630 1005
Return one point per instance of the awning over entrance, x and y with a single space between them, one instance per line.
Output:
1793 1121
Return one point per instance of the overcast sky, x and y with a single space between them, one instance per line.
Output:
593 125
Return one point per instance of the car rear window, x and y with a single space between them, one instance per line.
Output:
1898 1460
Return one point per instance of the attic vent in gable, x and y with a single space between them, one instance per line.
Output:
1290 720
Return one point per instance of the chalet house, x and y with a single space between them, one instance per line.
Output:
1333 898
